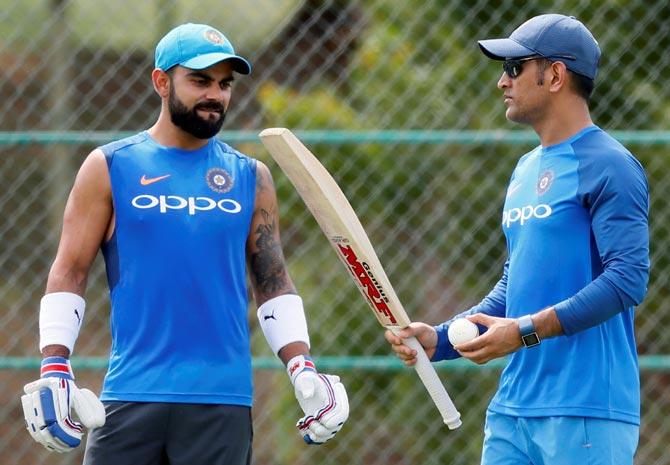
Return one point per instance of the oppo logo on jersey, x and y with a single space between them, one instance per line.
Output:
524 214
192 204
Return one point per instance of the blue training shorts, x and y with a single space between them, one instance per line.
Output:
512 440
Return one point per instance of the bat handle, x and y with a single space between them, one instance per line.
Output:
428 375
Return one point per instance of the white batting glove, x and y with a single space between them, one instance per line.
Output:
47 404
322 398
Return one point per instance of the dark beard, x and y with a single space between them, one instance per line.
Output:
189 120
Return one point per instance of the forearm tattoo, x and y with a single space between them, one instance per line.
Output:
267 263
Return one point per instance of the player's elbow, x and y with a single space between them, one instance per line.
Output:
639 287
632 284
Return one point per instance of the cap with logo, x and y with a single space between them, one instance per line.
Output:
197 46
557 37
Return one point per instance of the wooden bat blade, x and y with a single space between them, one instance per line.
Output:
339 222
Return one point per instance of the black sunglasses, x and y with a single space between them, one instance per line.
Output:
514 67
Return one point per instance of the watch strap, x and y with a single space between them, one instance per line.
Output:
529 336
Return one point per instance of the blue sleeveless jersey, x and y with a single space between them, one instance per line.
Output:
576 223
176 268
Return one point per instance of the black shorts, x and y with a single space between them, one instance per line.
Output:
141 433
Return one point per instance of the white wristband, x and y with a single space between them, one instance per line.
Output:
282 320
61 315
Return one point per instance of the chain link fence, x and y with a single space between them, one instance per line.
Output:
399 104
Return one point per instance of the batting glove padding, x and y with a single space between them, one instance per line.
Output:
322 398
48 402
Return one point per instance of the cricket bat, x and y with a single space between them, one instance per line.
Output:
339 222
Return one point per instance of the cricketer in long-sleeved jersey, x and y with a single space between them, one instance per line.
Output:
576 224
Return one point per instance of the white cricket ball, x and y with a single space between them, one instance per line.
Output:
462 330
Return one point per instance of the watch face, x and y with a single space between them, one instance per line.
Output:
530 340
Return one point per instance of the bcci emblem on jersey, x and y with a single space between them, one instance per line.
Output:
544 182
219 180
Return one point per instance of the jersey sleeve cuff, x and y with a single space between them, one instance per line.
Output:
591 306
444 349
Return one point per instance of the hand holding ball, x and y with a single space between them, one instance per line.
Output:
462 330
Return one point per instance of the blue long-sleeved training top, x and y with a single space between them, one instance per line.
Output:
576 224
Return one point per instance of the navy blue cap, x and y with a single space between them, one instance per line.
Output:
197 46
557 37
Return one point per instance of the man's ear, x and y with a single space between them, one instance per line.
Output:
161 81
559 76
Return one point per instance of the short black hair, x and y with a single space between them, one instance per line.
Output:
582 85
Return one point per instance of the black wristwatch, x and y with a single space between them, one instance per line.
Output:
527 329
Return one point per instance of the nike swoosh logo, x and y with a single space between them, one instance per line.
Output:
513 189
146 181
